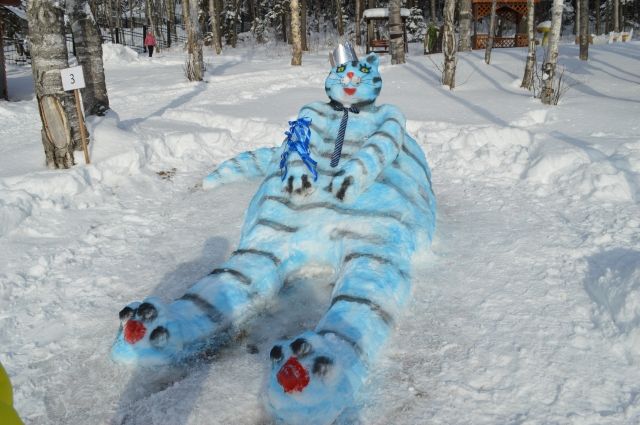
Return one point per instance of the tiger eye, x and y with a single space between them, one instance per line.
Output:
341 68
364 69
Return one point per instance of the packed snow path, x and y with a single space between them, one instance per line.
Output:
527 309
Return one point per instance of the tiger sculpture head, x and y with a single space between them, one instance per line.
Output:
355 82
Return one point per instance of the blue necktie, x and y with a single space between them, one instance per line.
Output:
335 157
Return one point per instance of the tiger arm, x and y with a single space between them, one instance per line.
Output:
244 166
378 152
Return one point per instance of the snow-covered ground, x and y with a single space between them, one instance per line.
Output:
527 307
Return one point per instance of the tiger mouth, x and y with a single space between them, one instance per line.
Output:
349 90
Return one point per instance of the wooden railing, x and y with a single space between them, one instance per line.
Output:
519 40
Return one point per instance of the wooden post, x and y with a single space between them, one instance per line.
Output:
76 93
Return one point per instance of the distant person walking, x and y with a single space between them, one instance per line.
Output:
150 42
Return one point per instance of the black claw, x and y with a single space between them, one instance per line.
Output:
126 313
276 353
321 365
290 184
147 312
306 184
159 336
345 185
300 347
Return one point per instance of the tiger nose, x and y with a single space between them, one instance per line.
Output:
350 74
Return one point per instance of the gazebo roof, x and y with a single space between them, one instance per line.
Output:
383 12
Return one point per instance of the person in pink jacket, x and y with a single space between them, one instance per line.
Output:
150 42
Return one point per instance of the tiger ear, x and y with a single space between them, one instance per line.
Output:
373 59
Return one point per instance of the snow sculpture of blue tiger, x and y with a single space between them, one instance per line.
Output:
363 217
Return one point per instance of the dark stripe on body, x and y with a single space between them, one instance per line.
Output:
387 135
386 317
347 234
206 307
235 273
379 259
333 207
345 338
412 156
276 226
255 161
266 254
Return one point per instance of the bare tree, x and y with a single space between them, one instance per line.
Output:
60 124
464 44
214 16
548 95
396 34
296 37
616 15
598 17
584 29
303 24
194 67
449 45
527 79
432 4
492 30
339 17
89 54
358 18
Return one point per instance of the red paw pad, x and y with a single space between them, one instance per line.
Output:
134 331
293 376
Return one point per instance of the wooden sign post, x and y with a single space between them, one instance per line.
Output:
73 79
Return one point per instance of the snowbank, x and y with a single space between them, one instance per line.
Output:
117 54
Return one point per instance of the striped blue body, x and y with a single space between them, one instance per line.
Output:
363 218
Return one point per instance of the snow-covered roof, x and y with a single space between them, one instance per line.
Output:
544 25
383 12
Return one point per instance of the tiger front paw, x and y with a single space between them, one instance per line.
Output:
298 185
344 187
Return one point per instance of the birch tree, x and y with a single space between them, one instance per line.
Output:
89 54
214 17
492 30
296 37
194 67
464 44
449 45
527 79
60 124
358 18
303 25
548 95
584 29
616 15
339 17
396 33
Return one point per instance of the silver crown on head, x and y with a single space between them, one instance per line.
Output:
342 54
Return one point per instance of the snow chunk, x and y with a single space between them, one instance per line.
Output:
383 12
118 54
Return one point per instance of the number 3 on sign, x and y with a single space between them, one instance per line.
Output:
72 78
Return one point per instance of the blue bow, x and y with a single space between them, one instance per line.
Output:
298 138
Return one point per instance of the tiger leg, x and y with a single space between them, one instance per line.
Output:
318 374
208 314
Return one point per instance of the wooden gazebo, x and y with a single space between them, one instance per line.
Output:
3 72
514 11
377 38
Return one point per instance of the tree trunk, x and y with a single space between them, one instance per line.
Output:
465 26
396 34
432 3
578 21
89 54
130 21
296 37
194 66
598 17
449 45
584 29
527 79
3 72
339 18
60 124
548 95
358 18
303 24
616 15
492 30
215 26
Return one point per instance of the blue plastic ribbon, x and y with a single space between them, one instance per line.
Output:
298 138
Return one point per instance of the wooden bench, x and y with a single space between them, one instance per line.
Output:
378 46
